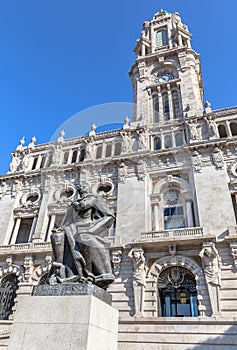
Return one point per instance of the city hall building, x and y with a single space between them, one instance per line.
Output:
169 176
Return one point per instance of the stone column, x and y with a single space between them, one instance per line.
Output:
189 213
15 232
156 216
161 110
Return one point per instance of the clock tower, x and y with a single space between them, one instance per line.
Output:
166 76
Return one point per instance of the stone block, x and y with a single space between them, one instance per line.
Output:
60 322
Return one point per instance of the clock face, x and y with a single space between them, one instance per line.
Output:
163 78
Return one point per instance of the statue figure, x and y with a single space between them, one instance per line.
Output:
139 278
20 147
211 262
26 160
61 136
127 141
122 172
212 128
193 130
89 148
142 140
80 247
14 165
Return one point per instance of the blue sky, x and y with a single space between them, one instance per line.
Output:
61 57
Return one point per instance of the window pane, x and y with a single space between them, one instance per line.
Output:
24 230
162 38
166 108
157 143
155 109
176 107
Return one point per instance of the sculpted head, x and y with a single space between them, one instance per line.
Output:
83 188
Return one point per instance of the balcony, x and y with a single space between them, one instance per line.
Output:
188 232
26 248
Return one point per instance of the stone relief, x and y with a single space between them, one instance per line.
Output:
141 170
15 163
80 246
122 172
139 278
211 262
57 156
28 268
196 161
116 258
218 159
141 139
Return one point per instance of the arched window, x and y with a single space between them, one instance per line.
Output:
176 106
82 155
222 131
108 150
166 108
178 139
74 156
8 288
117 150
156 117
177 293
98 152
173 210
162 38
157 143
168 142
233 128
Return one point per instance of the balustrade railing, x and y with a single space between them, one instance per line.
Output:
26 246
180 232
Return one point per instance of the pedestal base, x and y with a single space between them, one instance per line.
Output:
65 322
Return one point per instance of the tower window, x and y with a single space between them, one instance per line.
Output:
176 106
155 109
118 147
173 210
166 107
99 152
108 150
157 143
26 230
233 128
162 38
178 139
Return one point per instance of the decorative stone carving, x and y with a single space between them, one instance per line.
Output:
20 147
3 189
212 128
61 137
89 148
57 157
32 143
142 139
233 252
141 170
116 258
28 268
194 132
26 160
139 278
42 269
126 125
80 248
211 262
196 161
10 267
172 249
122 172
127 141
15 163
218 159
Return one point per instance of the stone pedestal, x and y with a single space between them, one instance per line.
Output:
65 322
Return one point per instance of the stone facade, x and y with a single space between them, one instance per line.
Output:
169 177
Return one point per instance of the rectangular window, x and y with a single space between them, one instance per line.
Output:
25 231
162 38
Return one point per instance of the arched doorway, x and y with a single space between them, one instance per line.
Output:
8 288
177 293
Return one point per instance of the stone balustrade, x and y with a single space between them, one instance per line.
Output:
181 232
29 247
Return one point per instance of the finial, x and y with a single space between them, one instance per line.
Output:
61 136
126 123
32 143
207 106
93 128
